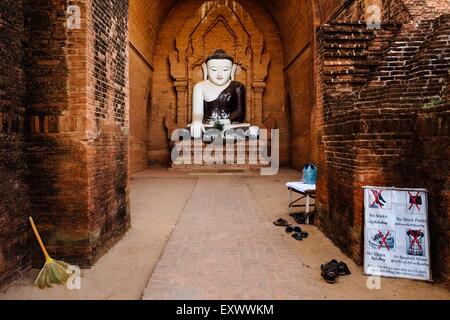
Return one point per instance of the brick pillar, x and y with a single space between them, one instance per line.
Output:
14 196
258 88
77 95
182 106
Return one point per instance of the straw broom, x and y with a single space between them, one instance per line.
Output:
53 271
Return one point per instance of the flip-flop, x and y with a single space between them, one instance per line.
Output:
297 236
281 223
332 264
329 276
342 269
291 229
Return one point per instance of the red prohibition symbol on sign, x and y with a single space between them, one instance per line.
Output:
413 200
383 240
415 240
377 195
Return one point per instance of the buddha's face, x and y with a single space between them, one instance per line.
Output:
219 71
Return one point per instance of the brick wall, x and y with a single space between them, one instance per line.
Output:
383 120
77 127
107 113
427 9
144 23
14 200
391 10
294 22
54 155
140 105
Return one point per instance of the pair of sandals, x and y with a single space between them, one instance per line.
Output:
332 269
297 233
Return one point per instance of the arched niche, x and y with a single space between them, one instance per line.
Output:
240 37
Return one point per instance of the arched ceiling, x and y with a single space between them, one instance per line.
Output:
293 18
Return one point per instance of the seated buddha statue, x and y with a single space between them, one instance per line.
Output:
218 97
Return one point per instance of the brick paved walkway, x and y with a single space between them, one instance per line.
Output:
224 246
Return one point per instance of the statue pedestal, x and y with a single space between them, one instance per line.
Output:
243 126
240 156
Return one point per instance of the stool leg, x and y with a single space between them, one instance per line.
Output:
307 209
290 201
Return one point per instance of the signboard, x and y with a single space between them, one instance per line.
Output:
396 238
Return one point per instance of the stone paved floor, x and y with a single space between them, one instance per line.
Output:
224 247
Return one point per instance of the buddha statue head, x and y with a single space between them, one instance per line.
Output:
219 68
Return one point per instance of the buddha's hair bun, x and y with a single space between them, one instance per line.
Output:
220 54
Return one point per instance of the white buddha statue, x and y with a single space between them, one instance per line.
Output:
218 97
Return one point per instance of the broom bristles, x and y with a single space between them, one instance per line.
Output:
53 272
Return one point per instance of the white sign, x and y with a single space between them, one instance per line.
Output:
396 238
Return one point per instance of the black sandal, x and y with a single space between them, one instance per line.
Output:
329 276
291 229
331 265
342 269
281 223
298 236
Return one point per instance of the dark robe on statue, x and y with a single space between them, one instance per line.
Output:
230 104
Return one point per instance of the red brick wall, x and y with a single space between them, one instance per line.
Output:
141 75
14 200
382 120
294 21
108 123
77 106
56 172
300 84
427 9
391 10
144 23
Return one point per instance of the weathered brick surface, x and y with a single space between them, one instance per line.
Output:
53 155
108 105
293 19
390 127
14 199
144 23
391 10
64 120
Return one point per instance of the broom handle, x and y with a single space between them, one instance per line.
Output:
38 237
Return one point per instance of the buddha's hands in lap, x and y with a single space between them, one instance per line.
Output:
197 129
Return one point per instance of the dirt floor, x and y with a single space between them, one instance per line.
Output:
159 197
